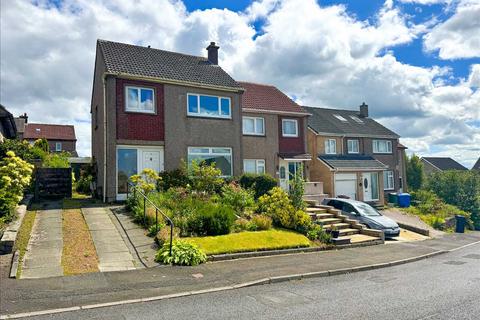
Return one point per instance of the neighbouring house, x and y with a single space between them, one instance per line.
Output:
274 133
153 108
438 164
60 137
8 129
476 166
353 155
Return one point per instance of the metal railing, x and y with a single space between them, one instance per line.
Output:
136 190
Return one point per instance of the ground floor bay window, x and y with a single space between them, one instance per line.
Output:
132 160
222 157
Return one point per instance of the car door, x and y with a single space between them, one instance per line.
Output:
350 211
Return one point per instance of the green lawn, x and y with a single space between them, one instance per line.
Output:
250 241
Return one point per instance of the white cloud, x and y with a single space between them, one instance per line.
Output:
322 55
459 36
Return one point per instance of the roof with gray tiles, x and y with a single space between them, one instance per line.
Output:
444 163
476 166
324 120
359 162
154 63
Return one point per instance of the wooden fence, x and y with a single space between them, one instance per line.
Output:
53 183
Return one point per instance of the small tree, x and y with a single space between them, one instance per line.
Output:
42 144
297 189
415 175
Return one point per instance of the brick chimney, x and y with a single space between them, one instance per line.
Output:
364 110
213 53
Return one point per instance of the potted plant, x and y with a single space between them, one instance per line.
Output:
334 232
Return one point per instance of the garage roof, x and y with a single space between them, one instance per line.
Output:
352 162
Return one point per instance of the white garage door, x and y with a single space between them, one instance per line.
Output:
346 185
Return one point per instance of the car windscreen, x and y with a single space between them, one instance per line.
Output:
367 210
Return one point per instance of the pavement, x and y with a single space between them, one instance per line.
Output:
93 290
44 251
444 287
112 251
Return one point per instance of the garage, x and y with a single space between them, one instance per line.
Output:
346 185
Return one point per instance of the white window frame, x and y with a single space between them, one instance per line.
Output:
258 163
376 145
254 133
58 146
204 115
327 146
138 110
388 180
295 135
211 153
351 150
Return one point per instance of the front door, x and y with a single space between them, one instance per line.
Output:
288 170
370 186
151 160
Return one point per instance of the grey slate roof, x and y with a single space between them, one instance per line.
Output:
359 162
323 120
444 163
476 166
149 62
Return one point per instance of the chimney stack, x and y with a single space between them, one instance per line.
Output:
364 110
213 53
24 117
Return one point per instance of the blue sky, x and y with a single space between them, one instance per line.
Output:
416 65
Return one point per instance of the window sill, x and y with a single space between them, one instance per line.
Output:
254 135
289 136
208 117
141 112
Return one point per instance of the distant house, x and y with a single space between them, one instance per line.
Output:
438 164
354 155
476 166
8 129
60 137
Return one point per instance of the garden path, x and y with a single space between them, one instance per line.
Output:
44 251
113 253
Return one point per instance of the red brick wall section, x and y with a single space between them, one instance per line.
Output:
140 126
291 144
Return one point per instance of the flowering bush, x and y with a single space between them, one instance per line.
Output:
15 176
147 180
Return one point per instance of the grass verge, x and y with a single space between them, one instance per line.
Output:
250 241
79 254
23 237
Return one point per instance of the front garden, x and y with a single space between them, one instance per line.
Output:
213 215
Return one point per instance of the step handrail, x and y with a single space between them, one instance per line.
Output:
136 189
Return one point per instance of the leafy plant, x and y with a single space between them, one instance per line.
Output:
147 180
173 179
241 224
42 144
183 254
261 184
261 222
56 160
297 189
163 235
414 168
154 229
22 149
15 177
211 219
238 198
205 178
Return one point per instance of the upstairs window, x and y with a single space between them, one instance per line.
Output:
289 128
253 126
352 146
139 99
382 146
208 106
58 146
330 146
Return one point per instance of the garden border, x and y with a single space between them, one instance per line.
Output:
9 236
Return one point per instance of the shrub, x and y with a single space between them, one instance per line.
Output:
238 198
83 184
241 224
205 178
42 144
183 254
155 228
56 160
278 206
147 180
163 236
297 189
173 179
316 232
261 222
211 219
22 149
15 176
261 184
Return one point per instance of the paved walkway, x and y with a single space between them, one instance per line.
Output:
44 251
112 252
411 220
61 292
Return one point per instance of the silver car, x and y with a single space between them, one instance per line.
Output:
365 214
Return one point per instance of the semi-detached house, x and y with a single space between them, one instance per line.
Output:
153 108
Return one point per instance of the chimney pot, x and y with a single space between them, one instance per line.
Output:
24 117
364 110
213 53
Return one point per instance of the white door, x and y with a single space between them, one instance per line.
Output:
346 185
288 170
367 186
152 160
